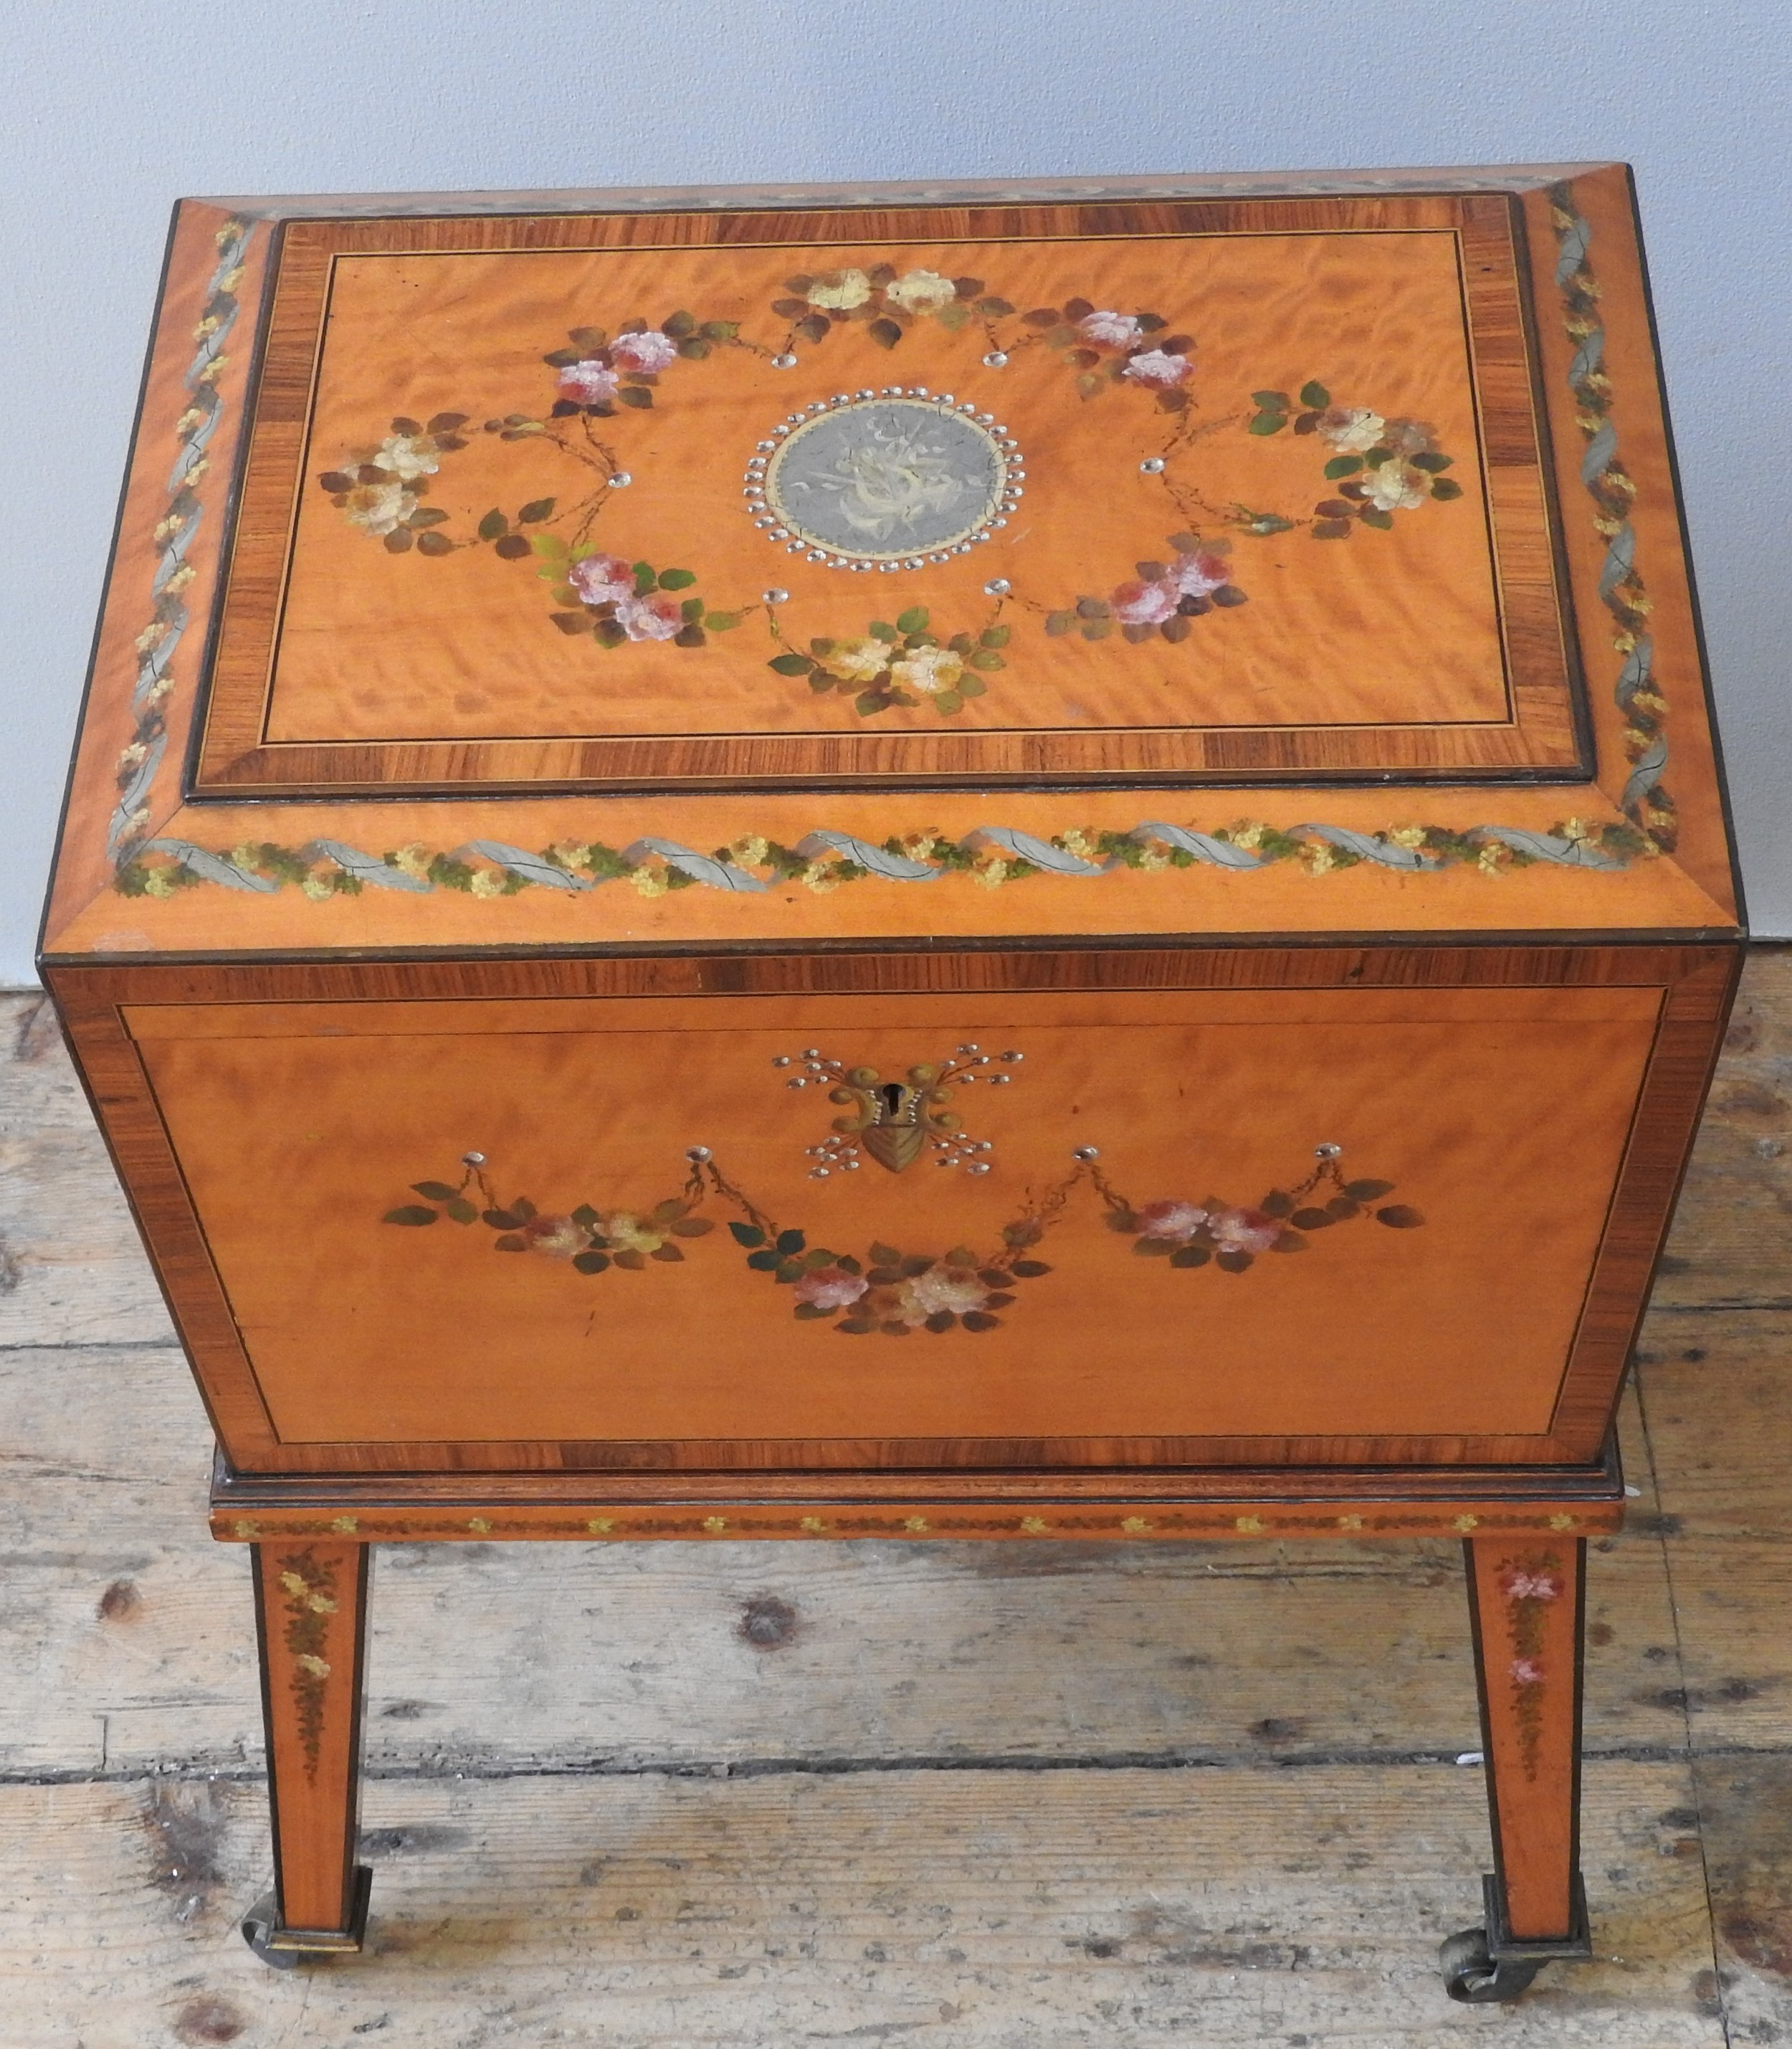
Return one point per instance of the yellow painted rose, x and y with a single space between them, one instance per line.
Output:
928 669
859 661
841 291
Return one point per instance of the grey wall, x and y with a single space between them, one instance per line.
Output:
108 111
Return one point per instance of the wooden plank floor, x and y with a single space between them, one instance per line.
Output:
981 1797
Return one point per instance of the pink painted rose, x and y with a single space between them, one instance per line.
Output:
1144 604
602 579
1244 1229
649 351
1109 330
1527 1672
1195 575
830 1288
656 618
1158 369
1517 1585
558 1236
588 382
1177 1221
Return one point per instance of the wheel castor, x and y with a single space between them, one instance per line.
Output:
1472 1975
258 1925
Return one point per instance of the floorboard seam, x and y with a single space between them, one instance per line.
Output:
481 1771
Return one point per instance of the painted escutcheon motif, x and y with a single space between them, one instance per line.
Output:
880 479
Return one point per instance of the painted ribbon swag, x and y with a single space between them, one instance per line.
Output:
886 1290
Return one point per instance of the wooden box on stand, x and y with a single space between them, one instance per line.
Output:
1103 791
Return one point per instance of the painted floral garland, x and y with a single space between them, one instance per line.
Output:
823 860
1379 466
887 1290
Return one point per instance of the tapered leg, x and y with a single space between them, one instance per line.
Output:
311 1602
1527 1599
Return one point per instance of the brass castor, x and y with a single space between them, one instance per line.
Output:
281 1948
258 1925
1472 1975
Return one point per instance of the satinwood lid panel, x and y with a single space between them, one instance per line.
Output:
1090 492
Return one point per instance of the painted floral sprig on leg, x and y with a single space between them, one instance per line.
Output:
1380 466
1531 1587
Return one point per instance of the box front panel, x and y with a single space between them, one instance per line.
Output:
945 1227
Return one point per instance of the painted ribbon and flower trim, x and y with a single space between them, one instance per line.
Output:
887 1290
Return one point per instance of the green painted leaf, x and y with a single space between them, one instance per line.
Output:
644 578
438 1192
1316 395
790 1242
722 622
995 636
913 620
461 1210
1271 402
790 665
692 1226
1344 465
410 1213
810 1313
1445 487
1190 1255
747 1234
880 629
494 526
503 1219
972 686
987 658
763 1262
1374 516
536 508
510 1242
585 1217
720 330
676 579
1431 459
1400 1216
692 608
590 1262
550 547
1267 423
678 324
946 702
633 395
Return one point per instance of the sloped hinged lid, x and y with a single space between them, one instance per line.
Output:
1078 491
1358 483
